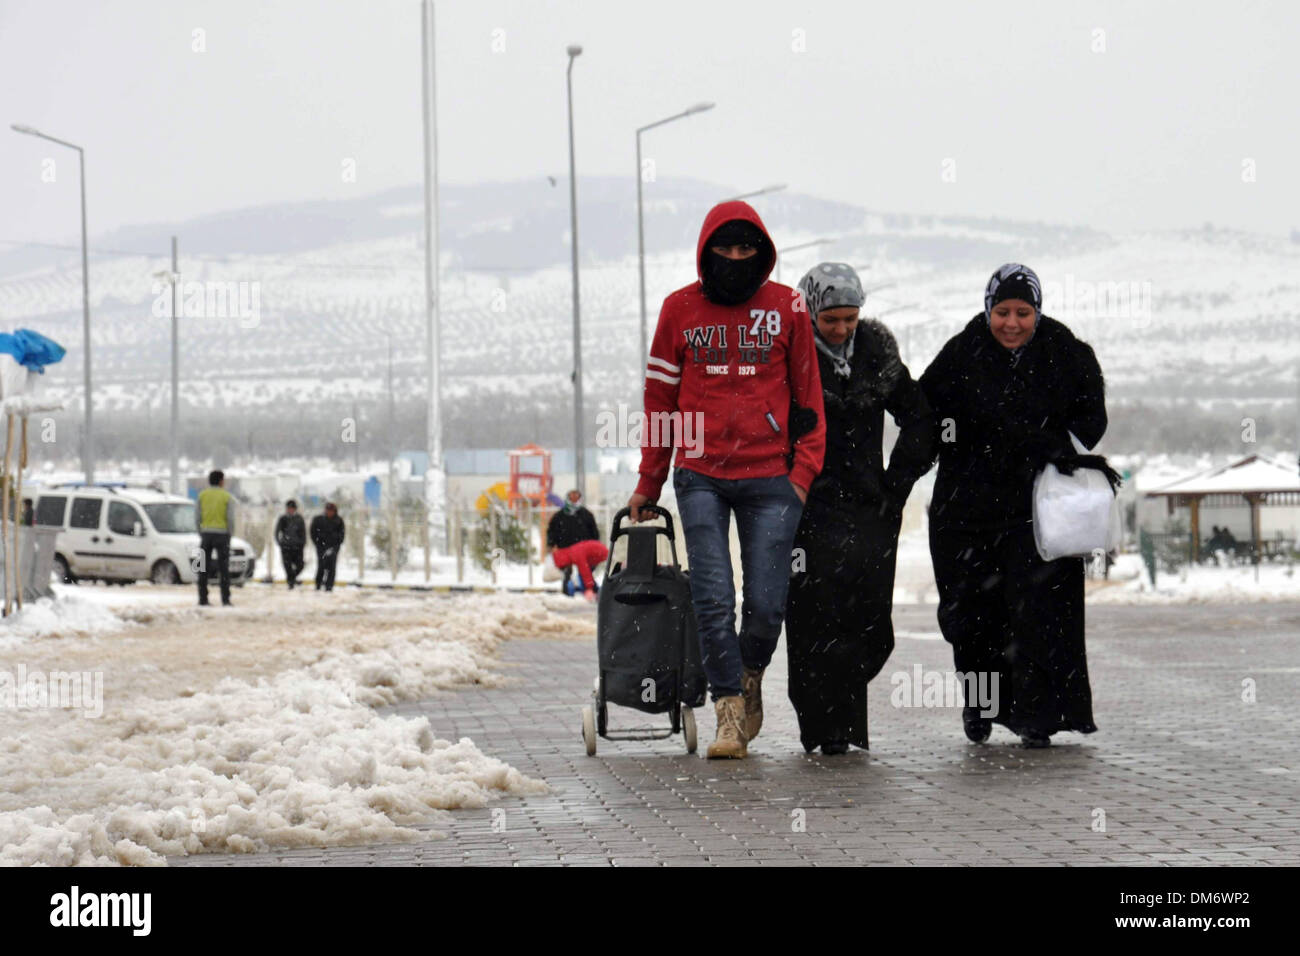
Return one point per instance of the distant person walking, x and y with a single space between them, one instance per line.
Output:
575 542
327 536
216 523
291 536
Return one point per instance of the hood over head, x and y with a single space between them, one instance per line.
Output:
732 281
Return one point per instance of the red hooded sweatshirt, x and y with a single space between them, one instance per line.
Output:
720 379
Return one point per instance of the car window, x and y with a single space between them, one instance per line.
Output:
85 513
122 518
50 510
173 518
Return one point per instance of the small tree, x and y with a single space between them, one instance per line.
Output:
512 539
408 517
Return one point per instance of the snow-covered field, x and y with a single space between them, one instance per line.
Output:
247 728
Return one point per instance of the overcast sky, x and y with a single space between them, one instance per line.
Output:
856 101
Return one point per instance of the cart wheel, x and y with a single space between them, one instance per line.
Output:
688 729
589 730
602 711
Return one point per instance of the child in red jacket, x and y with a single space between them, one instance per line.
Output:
732 357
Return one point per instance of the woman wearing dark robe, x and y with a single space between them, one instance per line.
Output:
1007 391
838 626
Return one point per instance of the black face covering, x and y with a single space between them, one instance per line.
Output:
732 281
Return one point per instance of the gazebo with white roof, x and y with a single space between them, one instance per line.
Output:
1255 480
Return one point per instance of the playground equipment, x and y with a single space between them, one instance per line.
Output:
523 489
497 494
531 486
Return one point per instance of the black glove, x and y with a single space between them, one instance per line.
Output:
1067 464
802 421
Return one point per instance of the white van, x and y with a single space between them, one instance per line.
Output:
120 534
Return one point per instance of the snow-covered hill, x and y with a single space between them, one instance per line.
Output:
1201 316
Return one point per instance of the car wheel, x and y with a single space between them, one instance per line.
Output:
62 573
164 572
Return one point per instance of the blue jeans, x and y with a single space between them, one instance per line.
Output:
767 517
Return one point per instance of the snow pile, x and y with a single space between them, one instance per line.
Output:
298 758
65 616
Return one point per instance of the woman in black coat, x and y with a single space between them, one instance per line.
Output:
1007 391
838 626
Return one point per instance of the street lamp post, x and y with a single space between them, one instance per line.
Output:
640 219
802 245
775 188
579 471
173 278
87 448
435 486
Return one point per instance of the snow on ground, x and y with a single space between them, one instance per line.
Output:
50 618
1234 584
246 728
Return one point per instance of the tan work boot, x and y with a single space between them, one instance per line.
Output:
731 739
752 688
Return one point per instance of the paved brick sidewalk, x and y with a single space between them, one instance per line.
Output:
1184 771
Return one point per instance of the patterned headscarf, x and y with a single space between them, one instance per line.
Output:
1014 281
832 285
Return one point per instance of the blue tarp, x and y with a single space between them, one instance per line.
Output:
31 349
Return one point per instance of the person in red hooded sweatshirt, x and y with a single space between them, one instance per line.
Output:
732 383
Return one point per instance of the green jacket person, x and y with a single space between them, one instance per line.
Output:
216 524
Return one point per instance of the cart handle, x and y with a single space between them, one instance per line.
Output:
617 530
622 513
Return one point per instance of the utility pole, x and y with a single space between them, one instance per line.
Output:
435 487
176 378
356 448
579 432
392 449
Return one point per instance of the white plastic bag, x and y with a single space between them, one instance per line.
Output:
1075 515
550 573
